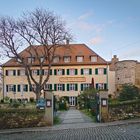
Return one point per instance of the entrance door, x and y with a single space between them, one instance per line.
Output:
72 101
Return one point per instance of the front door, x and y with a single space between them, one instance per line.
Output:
72 101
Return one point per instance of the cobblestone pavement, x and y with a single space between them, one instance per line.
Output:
120 132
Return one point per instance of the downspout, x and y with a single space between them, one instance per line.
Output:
3 82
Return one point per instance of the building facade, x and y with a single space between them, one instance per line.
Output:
127 72
73 69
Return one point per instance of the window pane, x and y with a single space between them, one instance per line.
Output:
79 58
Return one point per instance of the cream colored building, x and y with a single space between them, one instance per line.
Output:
72 71
127 72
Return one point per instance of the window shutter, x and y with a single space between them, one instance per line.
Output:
63 87
82 71
18 88
14 72
55 73
105 86
14 88
105 71
63 71
31 88
50 71
90 71
55 87
6 72
96 86
6 88
76 72
67 87
18 72
81 87
50 86
42 72
38 72
26 87
76 87
68 72
96 71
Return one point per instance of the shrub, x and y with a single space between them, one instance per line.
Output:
32 100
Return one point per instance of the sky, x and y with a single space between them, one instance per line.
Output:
108 27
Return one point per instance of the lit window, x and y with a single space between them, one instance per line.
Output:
67 59
79 58
93 58
56 59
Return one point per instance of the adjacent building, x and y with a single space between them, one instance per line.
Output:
74 66
127 72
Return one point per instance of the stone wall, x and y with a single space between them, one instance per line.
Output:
137 82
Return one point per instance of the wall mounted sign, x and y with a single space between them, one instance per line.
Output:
72 79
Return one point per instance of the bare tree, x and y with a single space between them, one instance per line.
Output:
43 32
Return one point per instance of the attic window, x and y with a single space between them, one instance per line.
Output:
93 58
31 59
66 59
80 58
56 59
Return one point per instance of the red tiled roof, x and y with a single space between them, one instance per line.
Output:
72 50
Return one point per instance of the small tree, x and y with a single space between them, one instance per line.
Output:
129 92
86 97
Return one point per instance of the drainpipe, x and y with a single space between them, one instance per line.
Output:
3 82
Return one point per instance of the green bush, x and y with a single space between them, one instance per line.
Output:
32 100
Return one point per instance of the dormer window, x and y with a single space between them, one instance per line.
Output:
80 58
93 58
66 59
42 59
31 59
56 59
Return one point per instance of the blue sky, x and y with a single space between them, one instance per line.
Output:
109 27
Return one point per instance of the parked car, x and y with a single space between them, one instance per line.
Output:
40 104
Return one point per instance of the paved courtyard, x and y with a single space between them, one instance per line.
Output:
76 126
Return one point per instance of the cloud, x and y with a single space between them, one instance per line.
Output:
85 16
96 40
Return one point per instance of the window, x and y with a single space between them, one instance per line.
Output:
31 59
21 72
35 72
101 86
48 87
11 88
72 87
93 58
59 72
86 71
100 71
25 88
56 59
33 87
42 59
79 58
59 87
71 71
46 72
10 72
66 59
85 86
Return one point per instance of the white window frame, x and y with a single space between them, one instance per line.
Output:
66 59
80 58
59 87
46 71
93 58
59 71
10 88
47 86
72 87
34 72
31 60
86 71
10 72
71 71
100 71
86 85
56 59
22 72
100 86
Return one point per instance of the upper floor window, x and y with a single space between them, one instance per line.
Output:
59 72
86 71
56 59
101 86
21 72
72 87
35 72
10 72
85 86
48 87
80 58
59 87
100 71
31 59
42 59
66 59
72 71
10 88
93 58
